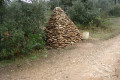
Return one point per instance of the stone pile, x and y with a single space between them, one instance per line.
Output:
60 30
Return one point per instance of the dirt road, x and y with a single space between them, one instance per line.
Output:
84 61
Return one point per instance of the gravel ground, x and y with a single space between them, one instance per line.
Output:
84 61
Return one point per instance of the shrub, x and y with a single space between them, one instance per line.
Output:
82 13
21 30
104 5
115 11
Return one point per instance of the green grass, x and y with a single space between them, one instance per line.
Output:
23 59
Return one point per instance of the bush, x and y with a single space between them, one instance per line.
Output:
21 30
82 13
104 5
115 11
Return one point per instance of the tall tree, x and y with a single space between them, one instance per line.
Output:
116 1
61 3
1 10
84 0
66 3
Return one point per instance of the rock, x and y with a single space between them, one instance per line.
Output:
61 31
85 35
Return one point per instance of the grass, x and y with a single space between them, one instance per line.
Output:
111 30
34 55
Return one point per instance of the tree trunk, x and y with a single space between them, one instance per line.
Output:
115 2
1 10
71 3
84 0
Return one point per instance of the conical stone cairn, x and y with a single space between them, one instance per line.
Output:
61 31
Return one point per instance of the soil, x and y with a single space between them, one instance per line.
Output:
89 60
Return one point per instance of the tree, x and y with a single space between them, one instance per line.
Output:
115 1
66 3
118 1
84 0
1 10
61 3
54 3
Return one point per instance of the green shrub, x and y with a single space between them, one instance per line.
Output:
21 30
115 11
82 13
104 5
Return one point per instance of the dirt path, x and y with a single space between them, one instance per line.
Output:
84 61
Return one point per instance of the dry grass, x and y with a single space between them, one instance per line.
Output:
110 31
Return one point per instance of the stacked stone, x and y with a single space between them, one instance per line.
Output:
61 31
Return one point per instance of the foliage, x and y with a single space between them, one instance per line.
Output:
115 11
83 13
21 30
104 5
21 24
54 3
64 4
2 10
